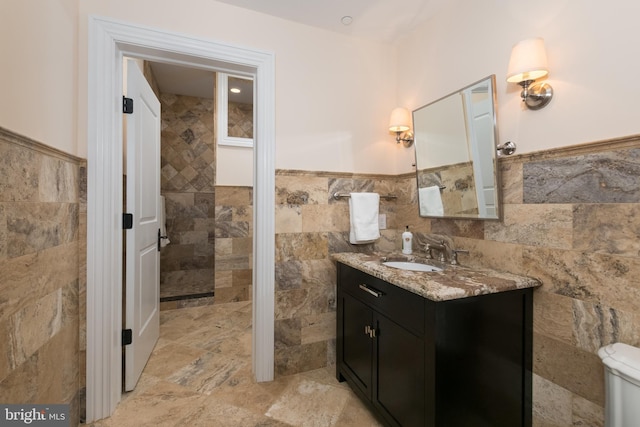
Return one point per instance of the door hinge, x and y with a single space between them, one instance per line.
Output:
127 105
127 336
127 221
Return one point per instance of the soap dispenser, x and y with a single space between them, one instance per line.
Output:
407 241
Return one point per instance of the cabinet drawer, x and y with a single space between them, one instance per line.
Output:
404 307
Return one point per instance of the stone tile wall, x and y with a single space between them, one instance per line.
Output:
234 244
310 225
39 274
188 180
571 219
240 120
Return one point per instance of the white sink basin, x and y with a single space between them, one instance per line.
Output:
411 266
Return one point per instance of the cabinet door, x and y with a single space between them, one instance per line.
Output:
400 383
357 345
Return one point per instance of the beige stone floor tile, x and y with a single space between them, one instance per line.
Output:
162 405
309 403
199 375
242 391
356 414
216 413
171 358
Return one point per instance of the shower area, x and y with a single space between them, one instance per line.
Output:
208 256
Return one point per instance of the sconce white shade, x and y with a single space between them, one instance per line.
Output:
400 120
528 61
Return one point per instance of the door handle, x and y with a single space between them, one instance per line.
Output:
160 237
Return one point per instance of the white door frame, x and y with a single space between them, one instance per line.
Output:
109 41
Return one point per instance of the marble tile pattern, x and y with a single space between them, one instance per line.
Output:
581 243
311 225
453 282
39 271
187 182
240 120
199 374
609 177
571 220
459 193
233 239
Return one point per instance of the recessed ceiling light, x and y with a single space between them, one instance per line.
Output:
346 20
235 90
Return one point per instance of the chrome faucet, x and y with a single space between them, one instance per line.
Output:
454 255
441 247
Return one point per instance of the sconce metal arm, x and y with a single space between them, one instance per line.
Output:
405 137
506 149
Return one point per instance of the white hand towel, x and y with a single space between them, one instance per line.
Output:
163 224
431 201
363 210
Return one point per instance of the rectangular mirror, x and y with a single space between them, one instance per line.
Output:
456 158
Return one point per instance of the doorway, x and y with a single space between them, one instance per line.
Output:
109 41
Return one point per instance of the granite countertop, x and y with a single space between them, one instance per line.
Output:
452 282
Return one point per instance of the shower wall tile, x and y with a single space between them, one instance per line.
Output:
233 239
188 184
240 120
40 268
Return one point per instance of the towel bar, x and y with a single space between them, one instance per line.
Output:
338 195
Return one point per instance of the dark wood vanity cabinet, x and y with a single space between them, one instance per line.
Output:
417 362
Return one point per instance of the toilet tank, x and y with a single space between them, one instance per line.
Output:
622 384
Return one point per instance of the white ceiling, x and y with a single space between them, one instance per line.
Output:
379 20
376 20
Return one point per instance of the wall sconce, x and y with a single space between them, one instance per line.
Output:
528 63
400 123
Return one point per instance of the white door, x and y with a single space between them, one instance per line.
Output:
480 122
142 295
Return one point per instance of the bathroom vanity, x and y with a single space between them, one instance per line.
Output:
450 348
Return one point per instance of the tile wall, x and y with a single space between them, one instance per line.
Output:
39 274
234 243
240 120
571 219
310 225
188 185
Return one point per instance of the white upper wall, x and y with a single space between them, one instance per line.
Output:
592 48
333 92
38 79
